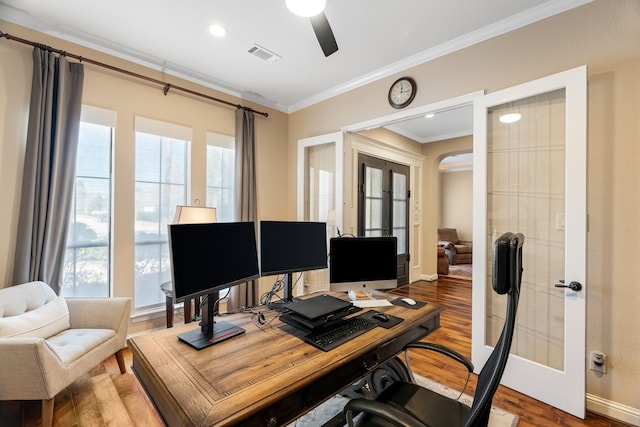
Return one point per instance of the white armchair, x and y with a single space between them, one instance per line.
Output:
47 342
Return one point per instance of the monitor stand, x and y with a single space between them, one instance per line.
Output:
210 332
287 294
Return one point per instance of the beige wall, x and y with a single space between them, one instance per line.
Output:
434 152
456 202
128 97
603 35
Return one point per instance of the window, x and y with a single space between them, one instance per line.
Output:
161 171
87 261
220 176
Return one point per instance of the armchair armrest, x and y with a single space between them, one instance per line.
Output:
446 244
388 412
99 313
21 357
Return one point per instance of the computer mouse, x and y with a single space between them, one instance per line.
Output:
409 301
381 317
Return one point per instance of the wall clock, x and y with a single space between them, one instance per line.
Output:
402 92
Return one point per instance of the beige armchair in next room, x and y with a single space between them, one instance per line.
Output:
458 251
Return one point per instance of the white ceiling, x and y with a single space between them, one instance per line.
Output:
376 38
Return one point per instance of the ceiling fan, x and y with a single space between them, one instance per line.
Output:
314 10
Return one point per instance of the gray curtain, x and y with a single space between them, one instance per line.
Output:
246 202
49 168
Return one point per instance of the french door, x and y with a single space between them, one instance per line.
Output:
383 205
530 177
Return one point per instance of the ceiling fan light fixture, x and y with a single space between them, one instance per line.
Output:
510 117
306 8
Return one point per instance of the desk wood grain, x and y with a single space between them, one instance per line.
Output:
268 376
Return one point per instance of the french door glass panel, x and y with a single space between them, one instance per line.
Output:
373 202
525 180
400 214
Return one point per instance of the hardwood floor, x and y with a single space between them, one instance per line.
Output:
455 332
104 397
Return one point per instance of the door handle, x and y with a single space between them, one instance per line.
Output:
574 286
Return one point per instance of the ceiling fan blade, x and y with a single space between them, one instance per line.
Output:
325 36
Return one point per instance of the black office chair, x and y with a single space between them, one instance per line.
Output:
408 404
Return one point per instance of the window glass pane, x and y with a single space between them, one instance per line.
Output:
401 235
147 158
373 215
399 204
94 153
161 185
220 176
87 256
173 156
373 182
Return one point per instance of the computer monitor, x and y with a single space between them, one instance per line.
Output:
363 263
206 258
288 247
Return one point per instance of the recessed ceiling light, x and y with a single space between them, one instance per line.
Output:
217 30
429 115
306 8
510 118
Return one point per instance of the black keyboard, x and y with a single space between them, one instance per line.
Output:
340 332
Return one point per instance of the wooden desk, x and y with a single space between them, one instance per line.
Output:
266 377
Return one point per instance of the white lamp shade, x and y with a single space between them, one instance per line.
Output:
194 215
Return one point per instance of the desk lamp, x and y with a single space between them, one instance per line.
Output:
194 215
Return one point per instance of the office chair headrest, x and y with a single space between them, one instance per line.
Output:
507 262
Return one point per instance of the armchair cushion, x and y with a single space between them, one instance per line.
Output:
72 344
43 322
464 249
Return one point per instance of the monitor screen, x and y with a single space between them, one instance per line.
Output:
292 246
363 263
210 257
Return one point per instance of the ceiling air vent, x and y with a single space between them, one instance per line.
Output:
264 54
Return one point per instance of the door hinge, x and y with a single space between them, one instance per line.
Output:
408 194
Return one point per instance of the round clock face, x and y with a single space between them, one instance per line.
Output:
402 92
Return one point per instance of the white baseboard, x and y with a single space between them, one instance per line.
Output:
429 277
614 410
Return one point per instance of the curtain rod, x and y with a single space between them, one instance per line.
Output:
166 86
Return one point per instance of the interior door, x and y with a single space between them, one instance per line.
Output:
319 194
530 177
383 205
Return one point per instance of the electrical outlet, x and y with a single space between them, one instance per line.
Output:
597 362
